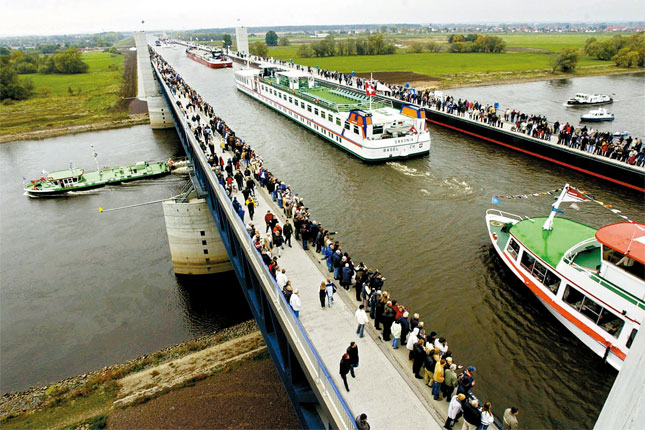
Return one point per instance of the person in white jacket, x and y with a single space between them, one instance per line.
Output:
396 333
361 319
453 409
295 303
412 339
281 278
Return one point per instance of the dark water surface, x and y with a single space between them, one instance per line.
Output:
81 290
421 222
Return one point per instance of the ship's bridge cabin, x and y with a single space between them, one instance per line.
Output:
294 79
623 256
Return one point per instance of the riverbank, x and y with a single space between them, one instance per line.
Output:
115 394
132 120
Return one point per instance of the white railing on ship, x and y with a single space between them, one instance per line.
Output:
322 380
505 214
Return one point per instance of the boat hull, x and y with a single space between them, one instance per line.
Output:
591 119
576 103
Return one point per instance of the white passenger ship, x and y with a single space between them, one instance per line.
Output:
592 281
371 130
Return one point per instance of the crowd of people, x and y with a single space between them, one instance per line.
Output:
619 147
240 171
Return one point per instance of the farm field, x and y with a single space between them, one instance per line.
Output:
66 100
528 57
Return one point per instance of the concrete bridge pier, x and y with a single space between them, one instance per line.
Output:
149 89
195 245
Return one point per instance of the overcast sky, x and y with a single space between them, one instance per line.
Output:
26 17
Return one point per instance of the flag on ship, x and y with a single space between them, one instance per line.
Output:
369 89
495 200
556 210
574 195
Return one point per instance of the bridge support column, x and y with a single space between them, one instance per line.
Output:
149 90
195 245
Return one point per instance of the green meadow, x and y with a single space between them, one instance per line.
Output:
65 100
528 56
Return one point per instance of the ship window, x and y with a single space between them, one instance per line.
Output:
330 118
337 121
623 262
302 105
356 129
632 336
513 248
316 111
590 309
290 99
611 323
552 281
309 108
573 297
377 129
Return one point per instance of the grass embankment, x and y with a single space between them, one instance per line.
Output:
65 101
89 399
528 57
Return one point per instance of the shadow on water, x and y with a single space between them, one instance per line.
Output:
212 302
559 83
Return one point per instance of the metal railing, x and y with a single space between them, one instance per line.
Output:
311 360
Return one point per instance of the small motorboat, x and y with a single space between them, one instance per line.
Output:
589 99
621 133
597 115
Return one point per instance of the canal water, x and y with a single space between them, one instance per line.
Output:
81 289
547 98
421 222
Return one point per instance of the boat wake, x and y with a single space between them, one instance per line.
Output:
449 189
408 171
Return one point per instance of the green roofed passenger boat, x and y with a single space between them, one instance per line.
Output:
75 179
591 280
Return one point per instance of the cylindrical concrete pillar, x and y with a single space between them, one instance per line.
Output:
195 244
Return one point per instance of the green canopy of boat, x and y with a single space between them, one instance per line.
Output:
551 246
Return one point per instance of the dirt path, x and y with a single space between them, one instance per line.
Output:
248 397
150 382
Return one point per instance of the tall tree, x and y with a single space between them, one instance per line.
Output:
271 38
227 40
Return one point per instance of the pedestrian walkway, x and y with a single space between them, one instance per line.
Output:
381 388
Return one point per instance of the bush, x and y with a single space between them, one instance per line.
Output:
433 47
416 47
69 62
11 87
566 61
260 49
305 51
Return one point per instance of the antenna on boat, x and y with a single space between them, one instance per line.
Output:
555 209
96 161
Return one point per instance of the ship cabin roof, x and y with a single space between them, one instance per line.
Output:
550 246
66 174
626 238
293 74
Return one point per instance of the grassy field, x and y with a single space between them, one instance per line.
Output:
528 57
94 97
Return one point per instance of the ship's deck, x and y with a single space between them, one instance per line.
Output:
550 246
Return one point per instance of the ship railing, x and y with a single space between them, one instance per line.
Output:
572 253
505 214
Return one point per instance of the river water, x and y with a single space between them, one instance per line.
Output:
421 222
81 290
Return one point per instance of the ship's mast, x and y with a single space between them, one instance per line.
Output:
548 224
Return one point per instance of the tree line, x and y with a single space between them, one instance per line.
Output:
624 51
476 43
329 47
